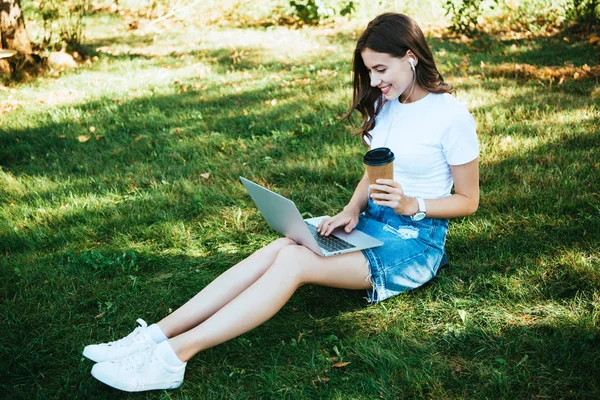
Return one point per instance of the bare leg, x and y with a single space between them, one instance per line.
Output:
222 290
293 267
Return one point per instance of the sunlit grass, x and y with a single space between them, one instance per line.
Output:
119 199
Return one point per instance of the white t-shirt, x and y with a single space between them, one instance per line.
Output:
426 136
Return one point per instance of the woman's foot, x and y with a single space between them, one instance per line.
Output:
151 369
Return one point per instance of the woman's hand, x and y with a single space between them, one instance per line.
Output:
347 218
393 197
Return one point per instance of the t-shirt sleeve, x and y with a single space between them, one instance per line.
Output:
459 142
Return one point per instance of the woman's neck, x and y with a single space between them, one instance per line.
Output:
416 94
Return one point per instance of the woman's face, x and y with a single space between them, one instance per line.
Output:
390 74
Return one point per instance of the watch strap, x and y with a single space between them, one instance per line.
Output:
421 204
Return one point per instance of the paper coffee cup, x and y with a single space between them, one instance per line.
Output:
379 163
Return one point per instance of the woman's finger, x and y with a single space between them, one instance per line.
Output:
351 225
382 188
333 226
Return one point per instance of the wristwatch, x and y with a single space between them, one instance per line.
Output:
419 215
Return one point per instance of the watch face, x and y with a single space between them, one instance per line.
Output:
418 216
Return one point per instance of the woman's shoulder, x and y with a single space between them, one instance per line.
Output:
447 100
447 105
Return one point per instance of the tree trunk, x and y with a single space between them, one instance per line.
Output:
13 35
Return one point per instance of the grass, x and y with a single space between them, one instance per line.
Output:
119 199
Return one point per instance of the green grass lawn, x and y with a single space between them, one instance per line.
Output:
119 199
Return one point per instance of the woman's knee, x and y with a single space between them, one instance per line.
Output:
283 242
273 248
294 261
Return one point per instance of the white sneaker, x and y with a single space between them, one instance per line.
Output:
142 371
136 341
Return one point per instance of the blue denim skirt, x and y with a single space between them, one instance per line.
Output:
411 253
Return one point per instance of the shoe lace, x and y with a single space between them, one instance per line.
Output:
134 336
135 361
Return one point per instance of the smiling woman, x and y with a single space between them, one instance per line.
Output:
392 41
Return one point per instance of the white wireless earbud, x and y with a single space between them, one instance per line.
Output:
412 63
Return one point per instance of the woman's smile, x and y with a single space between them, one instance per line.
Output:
385 89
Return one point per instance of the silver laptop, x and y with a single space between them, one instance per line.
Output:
283 216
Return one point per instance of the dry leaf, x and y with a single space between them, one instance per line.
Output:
205 176
245 112
62 136
83 139
92 129
340 364
100 315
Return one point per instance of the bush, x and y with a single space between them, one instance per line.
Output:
313 12
63 22
464 15
467 16
584 13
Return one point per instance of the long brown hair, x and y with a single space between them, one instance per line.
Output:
393 34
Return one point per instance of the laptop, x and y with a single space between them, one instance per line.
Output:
283 216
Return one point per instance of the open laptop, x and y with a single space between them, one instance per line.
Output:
283 216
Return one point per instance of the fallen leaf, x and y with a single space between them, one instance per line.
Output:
83 139
92 129
62 136
100 315
340 364
205 176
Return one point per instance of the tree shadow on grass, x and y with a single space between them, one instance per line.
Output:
88 296
59 280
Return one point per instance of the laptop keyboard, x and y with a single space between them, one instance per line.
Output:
329 243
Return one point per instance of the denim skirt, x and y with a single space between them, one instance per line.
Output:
410 256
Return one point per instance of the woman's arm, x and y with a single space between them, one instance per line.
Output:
349 216
465 199
463 202
360 198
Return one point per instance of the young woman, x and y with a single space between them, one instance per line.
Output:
406 106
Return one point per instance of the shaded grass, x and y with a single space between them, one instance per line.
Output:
124 225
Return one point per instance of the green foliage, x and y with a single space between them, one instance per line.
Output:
584 12
63 22
464 15
469 16
313 12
